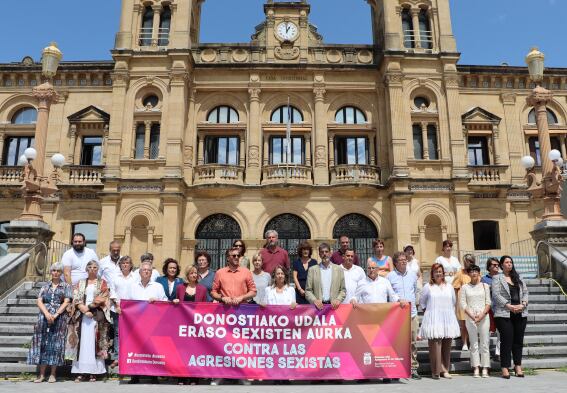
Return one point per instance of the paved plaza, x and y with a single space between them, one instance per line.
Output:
544 381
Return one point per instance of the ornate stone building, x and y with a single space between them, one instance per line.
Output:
177 145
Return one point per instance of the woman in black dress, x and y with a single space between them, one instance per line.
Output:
300 268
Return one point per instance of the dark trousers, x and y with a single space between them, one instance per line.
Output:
114 355
511 338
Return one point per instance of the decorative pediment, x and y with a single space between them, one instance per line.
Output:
480 116
90 114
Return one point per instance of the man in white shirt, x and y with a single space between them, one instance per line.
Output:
374 288
146 289
353 274
147 257
75 260
108 266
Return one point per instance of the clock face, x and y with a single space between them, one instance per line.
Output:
287 31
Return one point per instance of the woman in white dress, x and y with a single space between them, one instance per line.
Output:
439 325
450 263
414 266
280 293
87 341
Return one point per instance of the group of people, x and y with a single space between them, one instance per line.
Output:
80 306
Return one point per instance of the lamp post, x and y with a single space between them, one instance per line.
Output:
36 186
550 187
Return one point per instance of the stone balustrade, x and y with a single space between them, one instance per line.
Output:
85 174
219 174
287 173
367 174
485 174
11 175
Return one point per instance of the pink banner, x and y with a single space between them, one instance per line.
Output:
210 340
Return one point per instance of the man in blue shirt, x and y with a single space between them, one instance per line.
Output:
404 283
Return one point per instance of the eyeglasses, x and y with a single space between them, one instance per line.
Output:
239 245
234 255
494 265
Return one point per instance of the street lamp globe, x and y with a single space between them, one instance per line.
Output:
554 155
527 162
22 161
559 162
30 153
534 60
50 58
58 160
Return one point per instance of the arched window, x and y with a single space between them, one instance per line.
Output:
551 117
425 33
407 28
361 232
147 27
282 114
215 235
223 115
350 115
486 235
27 115
89 229
292 230
164 26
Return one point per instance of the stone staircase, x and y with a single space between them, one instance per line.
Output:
545 341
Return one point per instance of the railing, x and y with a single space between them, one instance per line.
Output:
552 263
287 173
85 174
425 40
11 174
213 173
355 174
145 37
485 174
55 252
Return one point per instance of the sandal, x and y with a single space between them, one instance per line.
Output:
52 379
79 379
92 378
40 379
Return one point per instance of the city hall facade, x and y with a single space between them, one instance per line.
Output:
176 146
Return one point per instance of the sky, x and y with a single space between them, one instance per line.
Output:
488 32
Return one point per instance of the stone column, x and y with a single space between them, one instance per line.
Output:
120 81
331 144
398 154
127 240
253 170
124 36
201 150
308 150
416 29
401 220
104 142
321 172
108 215
424 141
421 229
242 150
372 150
173 216
173 133
496 144
72 143
148 130
190 138
517 145
155 27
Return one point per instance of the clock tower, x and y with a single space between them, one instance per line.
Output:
287 31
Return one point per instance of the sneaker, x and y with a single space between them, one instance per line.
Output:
465 347
485 372
415 375
476 373
245 382
216 381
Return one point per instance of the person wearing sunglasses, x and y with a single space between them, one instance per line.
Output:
493 269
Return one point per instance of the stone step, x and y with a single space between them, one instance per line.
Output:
9 369
545 329
16 310
528 352
540 308
22 302
16 319
537 281
544 290
16 330
13 354
464 365
547 318
538 298
14 341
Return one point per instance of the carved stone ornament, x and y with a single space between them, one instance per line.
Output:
320 153
319 93
45 92
188 155
334 56
508 98
539 96
120 78
254 93
208 55
364 56
287 52
254 156
394 78
178 77
239 55
452 81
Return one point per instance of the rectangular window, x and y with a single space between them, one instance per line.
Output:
154 141
533 142
432 145
14 147
417 142
486 235
478 151
140 138
91 153
351 150
278 150
222 150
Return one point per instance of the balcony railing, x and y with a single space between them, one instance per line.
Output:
146 37
485 174
287 173
219 174
425 40
11 175
85 174
368 174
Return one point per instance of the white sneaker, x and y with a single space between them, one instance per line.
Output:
476 373
465 347
216 381
485 372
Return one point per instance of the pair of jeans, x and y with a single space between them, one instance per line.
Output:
114 355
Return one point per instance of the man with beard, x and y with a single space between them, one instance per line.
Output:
325 282
272 254
338 256
75 260
109 264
